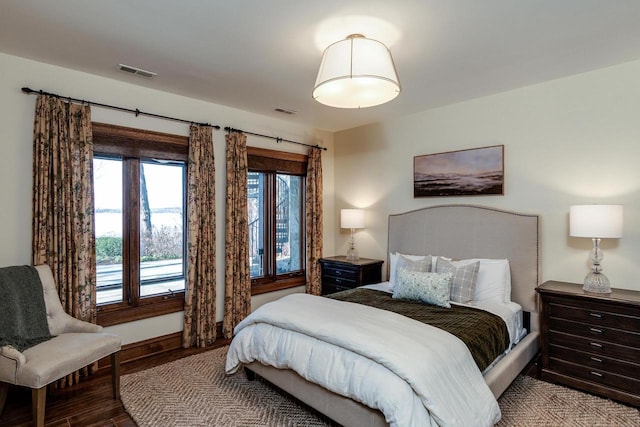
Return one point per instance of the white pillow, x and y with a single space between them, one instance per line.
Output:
494 279
393 263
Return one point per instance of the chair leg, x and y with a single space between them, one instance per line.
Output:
38 401
115 374
4 389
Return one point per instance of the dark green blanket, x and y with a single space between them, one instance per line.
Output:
23 317
484 333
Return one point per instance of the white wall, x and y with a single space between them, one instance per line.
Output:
16 125
574 140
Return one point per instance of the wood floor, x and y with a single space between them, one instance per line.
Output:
88 403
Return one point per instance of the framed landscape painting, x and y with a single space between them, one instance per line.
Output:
474 172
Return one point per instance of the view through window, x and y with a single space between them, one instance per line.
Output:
140 190
286 241
160 259
275 200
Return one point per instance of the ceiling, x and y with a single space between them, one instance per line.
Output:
259 55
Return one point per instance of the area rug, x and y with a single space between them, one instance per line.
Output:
195 391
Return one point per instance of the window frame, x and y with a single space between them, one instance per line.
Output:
273 162
133 146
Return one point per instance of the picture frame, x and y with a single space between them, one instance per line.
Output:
470 172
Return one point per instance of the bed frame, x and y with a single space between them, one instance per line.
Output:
459 232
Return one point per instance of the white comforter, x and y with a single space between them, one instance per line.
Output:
415 374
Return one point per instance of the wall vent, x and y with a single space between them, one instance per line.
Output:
285 111
137 71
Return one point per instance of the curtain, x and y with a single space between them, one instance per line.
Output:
313 209
200 295
237 298
63 216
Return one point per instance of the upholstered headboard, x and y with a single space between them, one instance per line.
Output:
466 231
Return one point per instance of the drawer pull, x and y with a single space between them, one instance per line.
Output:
595 359
595 344
598 315
597 374
596 330
338 273
338 280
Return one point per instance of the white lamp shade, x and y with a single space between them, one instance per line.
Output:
595 221
352 218
356 73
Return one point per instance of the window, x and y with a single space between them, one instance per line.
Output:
275 186
140 216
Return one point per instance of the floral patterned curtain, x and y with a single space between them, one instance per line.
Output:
237 299
313 209
200 295
63 216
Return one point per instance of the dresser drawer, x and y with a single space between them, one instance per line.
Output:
595 361
591 341
590 331
596 314
598 347
593 375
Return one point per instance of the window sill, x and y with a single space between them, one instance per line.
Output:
109 315
288 283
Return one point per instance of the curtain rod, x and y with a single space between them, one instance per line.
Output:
114 107
276 138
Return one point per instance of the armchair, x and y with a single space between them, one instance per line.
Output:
75 344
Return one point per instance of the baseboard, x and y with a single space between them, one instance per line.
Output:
147 348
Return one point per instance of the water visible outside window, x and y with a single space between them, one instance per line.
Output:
161 228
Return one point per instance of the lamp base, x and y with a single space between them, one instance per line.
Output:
352 255
597 283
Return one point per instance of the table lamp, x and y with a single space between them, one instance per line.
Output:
597 222
352 218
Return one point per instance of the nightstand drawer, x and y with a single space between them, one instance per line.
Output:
340 272
597 332
329 288
596 314
597 376
595 361
340 281
595 346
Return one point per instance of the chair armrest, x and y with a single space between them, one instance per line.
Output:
11 360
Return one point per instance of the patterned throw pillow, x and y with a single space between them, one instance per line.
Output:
463 280
430 288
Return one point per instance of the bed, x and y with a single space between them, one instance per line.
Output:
459 232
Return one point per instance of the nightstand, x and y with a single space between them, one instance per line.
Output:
338 274
591 341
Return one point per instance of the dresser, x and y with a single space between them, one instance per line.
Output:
591 342
338 274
